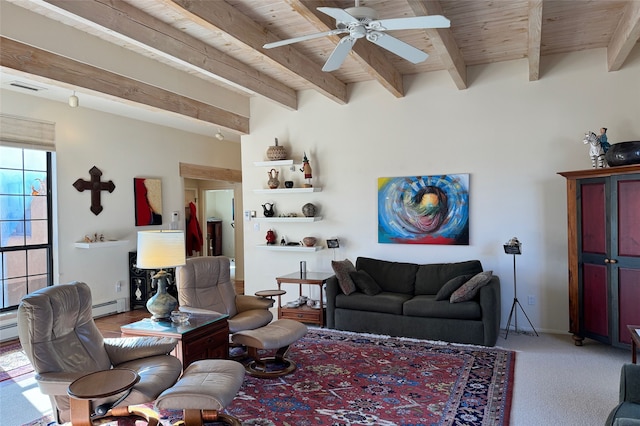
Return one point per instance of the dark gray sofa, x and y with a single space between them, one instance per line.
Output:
406 306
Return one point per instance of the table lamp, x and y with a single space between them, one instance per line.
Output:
158 250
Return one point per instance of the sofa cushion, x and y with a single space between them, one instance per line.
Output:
431 277
365 283
428 306
469 289
396 277
452 285
390 303
342 269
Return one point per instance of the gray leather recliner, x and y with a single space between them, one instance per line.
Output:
58 334
204 285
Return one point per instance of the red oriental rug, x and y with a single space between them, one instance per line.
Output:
13 362
356 379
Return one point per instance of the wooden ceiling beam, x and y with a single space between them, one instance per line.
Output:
372 61
535 38
443 42
224 17
625 37
31 60
132 23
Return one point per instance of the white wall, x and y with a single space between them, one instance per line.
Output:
122 149
512 136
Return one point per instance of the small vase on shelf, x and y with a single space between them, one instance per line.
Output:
309 210
276 152
273 181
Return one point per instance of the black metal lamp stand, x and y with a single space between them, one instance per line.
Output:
514 247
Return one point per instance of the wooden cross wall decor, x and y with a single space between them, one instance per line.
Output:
95 186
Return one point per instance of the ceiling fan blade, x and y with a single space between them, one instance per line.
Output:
340 15
398 47
339 54
304 38
412 23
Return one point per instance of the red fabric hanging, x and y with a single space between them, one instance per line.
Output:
194 232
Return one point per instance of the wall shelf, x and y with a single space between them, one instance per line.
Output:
290 219
102 244
273 163
289 248
287 190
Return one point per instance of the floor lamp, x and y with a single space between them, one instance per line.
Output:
514 247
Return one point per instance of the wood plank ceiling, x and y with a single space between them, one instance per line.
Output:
221 42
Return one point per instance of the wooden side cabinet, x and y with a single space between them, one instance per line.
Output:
214 237
304 313
603 207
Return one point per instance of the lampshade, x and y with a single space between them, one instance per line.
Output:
160 249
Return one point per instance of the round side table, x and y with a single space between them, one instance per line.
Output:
99 384
270 293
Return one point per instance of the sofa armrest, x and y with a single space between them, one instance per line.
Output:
630 383
490 306
332 291
123 349
245 302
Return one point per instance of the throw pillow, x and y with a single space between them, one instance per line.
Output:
452 285
342 268
469 289
365 283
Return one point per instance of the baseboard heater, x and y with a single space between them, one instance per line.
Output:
108 308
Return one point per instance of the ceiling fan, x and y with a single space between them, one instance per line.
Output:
362 22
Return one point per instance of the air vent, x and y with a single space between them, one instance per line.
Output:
26 86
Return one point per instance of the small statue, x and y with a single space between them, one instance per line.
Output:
603 139
596 152
306 169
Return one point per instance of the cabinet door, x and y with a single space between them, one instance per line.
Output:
592 252
625 254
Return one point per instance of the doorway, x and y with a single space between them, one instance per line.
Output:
218 195
219 213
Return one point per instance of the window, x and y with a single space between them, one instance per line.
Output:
25 227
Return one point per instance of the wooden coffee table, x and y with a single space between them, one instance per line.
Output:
203 337
635 341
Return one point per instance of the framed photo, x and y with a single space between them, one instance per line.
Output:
333 243
424 209
148 201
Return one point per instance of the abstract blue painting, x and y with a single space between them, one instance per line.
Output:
424 209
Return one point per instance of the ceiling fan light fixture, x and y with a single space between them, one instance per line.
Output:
362 22
362 13
74 102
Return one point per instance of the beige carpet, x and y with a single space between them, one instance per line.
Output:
560 384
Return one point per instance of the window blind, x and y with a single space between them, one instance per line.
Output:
26 132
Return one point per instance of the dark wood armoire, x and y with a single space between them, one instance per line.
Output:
603 207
